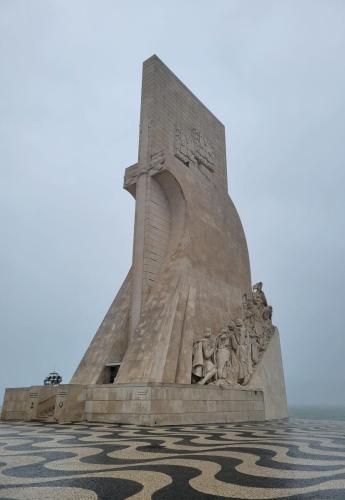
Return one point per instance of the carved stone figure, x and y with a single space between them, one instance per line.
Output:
244 355
233 356
258 295
203 358
223 354
254 346
234 342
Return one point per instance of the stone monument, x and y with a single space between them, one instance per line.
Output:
187 338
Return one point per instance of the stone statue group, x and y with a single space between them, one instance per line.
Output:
230 358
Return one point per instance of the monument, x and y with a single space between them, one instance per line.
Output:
187 338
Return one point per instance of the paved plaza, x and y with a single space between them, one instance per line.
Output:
296 459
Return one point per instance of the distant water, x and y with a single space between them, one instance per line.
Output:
318 412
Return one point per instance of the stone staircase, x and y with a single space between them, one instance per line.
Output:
46 409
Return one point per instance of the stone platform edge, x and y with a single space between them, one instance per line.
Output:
172 404
147 404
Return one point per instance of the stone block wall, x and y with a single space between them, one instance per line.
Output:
161 404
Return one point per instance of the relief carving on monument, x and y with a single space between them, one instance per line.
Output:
193 149
231 357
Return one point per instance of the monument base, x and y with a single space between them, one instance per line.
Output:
143 404
172 404
60 403
139 404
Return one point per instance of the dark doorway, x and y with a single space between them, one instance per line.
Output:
111 370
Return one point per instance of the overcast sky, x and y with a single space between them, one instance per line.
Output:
272 71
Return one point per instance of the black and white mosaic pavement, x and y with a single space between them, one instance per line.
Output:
296 459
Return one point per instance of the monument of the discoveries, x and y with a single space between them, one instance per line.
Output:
187 339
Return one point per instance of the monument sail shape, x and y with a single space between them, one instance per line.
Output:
190 259
186 323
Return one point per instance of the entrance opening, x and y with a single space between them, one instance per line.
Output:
111 370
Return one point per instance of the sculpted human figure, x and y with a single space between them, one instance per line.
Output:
260 310
223 354
244 354
234 366
268 327
249 313
203 358
254 346
244 302
258 295
247 302
267 313
234 338
232 357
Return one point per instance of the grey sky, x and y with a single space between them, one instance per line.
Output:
272 71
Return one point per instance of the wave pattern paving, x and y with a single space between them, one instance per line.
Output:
295 459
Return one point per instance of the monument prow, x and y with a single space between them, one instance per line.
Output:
187 339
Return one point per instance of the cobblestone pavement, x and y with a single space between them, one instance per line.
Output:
296 459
